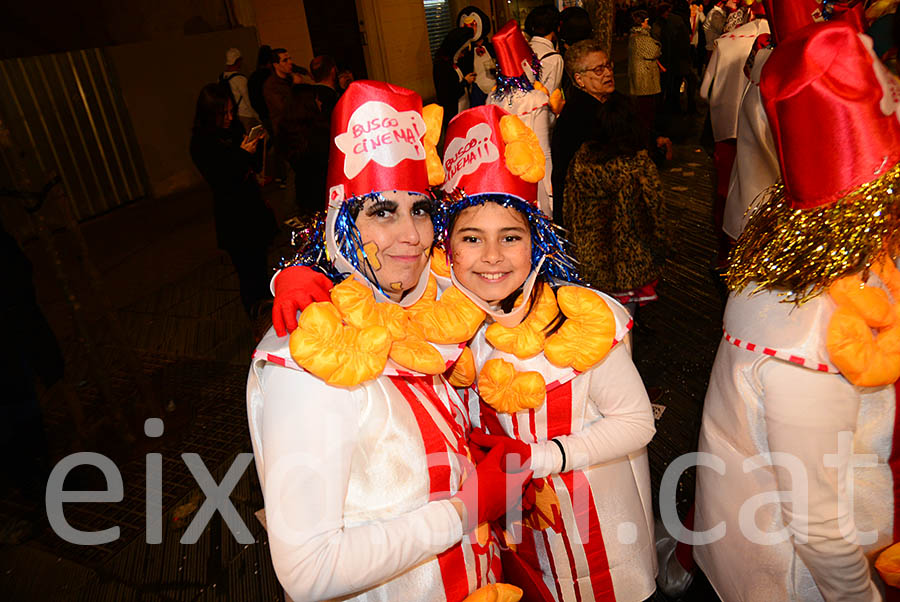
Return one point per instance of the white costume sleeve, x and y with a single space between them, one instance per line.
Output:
805 410
617 391
309 432
551 72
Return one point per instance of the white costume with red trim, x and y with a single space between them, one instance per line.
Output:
598 542
775 394
352 478
756 162
724 81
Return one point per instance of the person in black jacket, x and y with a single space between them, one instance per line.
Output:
450 81
228 161
591 71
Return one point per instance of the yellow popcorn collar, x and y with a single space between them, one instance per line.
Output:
583 340
349 340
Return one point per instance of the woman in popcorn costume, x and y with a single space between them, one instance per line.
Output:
360 443
549 376
798 497
519 93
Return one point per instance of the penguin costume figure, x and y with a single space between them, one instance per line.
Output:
479 59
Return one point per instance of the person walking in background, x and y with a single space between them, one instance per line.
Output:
257 81
542 24
303 140
643 68
240 93
228 161
277 88
323 71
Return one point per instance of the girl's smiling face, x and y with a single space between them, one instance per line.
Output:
490 247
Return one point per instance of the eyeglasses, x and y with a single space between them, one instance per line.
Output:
599 69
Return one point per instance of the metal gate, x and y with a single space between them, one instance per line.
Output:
66 116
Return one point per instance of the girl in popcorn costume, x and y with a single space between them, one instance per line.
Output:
800 415
360 443
553 384
546 376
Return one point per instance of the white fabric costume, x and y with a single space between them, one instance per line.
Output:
774 394
597 543
349 490
552 64
724 81
756 163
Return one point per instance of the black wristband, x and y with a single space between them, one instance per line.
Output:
563 452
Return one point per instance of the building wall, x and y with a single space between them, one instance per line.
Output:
32 28
160 81
398 49
282 24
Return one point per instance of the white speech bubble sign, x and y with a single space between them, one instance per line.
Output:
380 133
465 155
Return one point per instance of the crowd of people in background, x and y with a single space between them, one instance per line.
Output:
538 141
246 128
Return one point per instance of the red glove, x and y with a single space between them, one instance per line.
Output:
489 492
516 454
295 288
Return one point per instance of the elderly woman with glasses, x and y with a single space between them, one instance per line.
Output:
591 70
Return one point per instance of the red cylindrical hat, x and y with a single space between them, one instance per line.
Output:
855 15
834 110
787 16
377 144
474 156
513 52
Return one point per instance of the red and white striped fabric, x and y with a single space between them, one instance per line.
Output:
598 542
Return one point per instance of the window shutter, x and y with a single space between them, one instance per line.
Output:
439 21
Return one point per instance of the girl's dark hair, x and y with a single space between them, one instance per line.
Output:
211 106
509 303
574 25
639 16
455 39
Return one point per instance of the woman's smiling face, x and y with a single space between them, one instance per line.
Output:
397 234
490 248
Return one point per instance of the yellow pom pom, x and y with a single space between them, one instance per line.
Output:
462 374
888 565
508 391
433 115
418 355
341 355
523 154
526 339
588 332
495 592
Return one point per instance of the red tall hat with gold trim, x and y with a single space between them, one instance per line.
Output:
514 54
789 16
834 110
377 131
489 151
